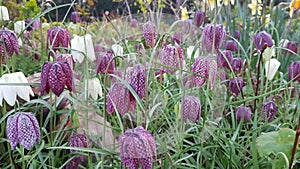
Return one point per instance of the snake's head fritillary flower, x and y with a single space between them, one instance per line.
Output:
237 34
213 34
134 23
118 98
8 43
204 69
23 128
58 36
149 33
236 85
199 18
271 67
65 57
136 77
243 113
19 26
137 146
225 58
55 76
262 40
294 71
191 109
269 111
4 16
172 57
32 24
75 17
177 37
291 46
231 45
83 47
237 64
105 62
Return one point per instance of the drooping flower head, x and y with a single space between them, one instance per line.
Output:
236 85
119 96
23 128
291 46
32 24
137 146
269 111
136 77
105 62
4 13
75 17
58 36
294 71
149 33
204 69
237 34
177 37
83 47
172 57
55 76
8 43
237 64
213 36
191 108
262 40
199 18
243 113
231 45
65 57
225 58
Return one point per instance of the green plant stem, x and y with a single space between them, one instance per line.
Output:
257 79
295 142
51 117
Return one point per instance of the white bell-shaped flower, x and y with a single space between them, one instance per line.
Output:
118 50
19 26
269 52
4 13
271 67
190 50
83 45
94 88
10 92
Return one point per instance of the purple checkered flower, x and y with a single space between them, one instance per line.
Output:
177 37
225 58
55 76
243 113
75 17
294 71
65 57
291 46
119 97
8 43
237 34
34 25
213 34
105 64
23 128
236 85
172 57
237 64
204 69
191 109
268 111
199 18
58 37
137 146
262 40
136 77
149 33
231 45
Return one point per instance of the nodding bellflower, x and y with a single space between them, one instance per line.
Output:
119 97
8 43
172 57
294 71
149 33
262 40
213 36
191 109
105 64
199 18
269 110
58 36
243 113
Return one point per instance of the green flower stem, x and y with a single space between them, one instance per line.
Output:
51 117
257 79
295 141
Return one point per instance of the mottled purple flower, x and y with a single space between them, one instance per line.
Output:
291 46
237 34
55 76
225 58
136 77
231 45
149 33
137 146
269 111
262 40
213 34
172 57
191 108
237 64
8 43
236 85
134 23
32 24
177 37
243 113
199 18
119 97
105 64
58 37
75 17
204 69
23 128
65 57
294 71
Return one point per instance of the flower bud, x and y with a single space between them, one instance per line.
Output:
199 18
269 110
235 85
243 113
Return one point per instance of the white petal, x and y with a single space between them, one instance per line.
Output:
78 47
4 13
118 50
190 50
271 67
89 47
19 26
98 87
9 92
269 52
20 42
